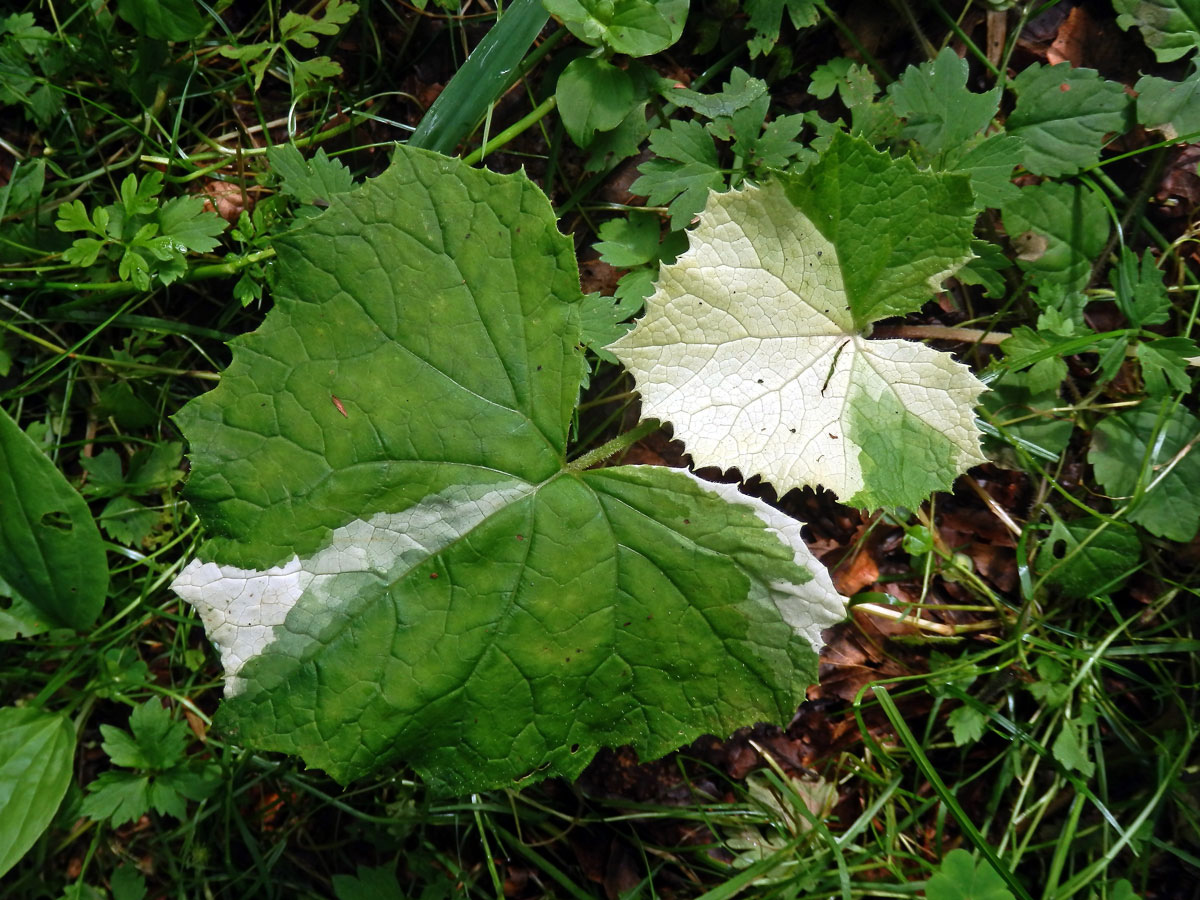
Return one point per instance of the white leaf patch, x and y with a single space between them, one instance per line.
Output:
748 349
244 610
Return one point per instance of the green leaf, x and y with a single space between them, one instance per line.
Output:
959 878
634 27
966 725
684 171
739 92
315 180
1140 293
941 113
127 521
488 72
985 268
1165 364
368 884
403 566
1063 115
1171 107
117 796
754 349
1132 448
1083 558
83 252
853 81
1069 750
189 226
127 883
604 319
1171 28
766 18
630 241
51 552
73 216
990 166
36 750
593 95
167 20
1058 229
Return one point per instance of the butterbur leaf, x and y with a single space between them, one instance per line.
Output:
754 344
403 565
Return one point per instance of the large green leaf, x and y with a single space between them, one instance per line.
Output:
755 344
404 566
1171 28
36 749
50 548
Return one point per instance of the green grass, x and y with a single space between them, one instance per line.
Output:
1057 741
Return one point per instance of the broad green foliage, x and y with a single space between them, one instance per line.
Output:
766 17
50 549
755 348
36 749
168 20
147 240
1139 458
312 181
403 564
1084 557
634 27
1170 107
940 112
960 878
1063 115
163 777
1057 229
593 95
1171 28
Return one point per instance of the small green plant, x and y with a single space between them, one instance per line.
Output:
148 240
154 770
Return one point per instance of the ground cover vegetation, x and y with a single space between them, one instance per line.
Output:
920 276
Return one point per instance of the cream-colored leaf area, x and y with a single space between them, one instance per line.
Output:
748 349
243 610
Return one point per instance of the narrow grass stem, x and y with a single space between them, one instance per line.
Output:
613 447
538 113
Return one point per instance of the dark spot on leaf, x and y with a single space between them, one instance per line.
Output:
566 659
520 537
819 253
687 521
760 381
833 437
57 518
1059 550
626 625
574 748
792 430
433 574
649 617
1064 87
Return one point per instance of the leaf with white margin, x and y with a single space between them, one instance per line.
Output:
402 564
753 344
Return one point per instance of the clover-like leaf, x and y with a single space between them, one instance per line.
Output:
754 345
404 565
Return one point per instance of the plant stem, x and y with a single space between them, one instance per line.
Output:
616 445
538 113
942 333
